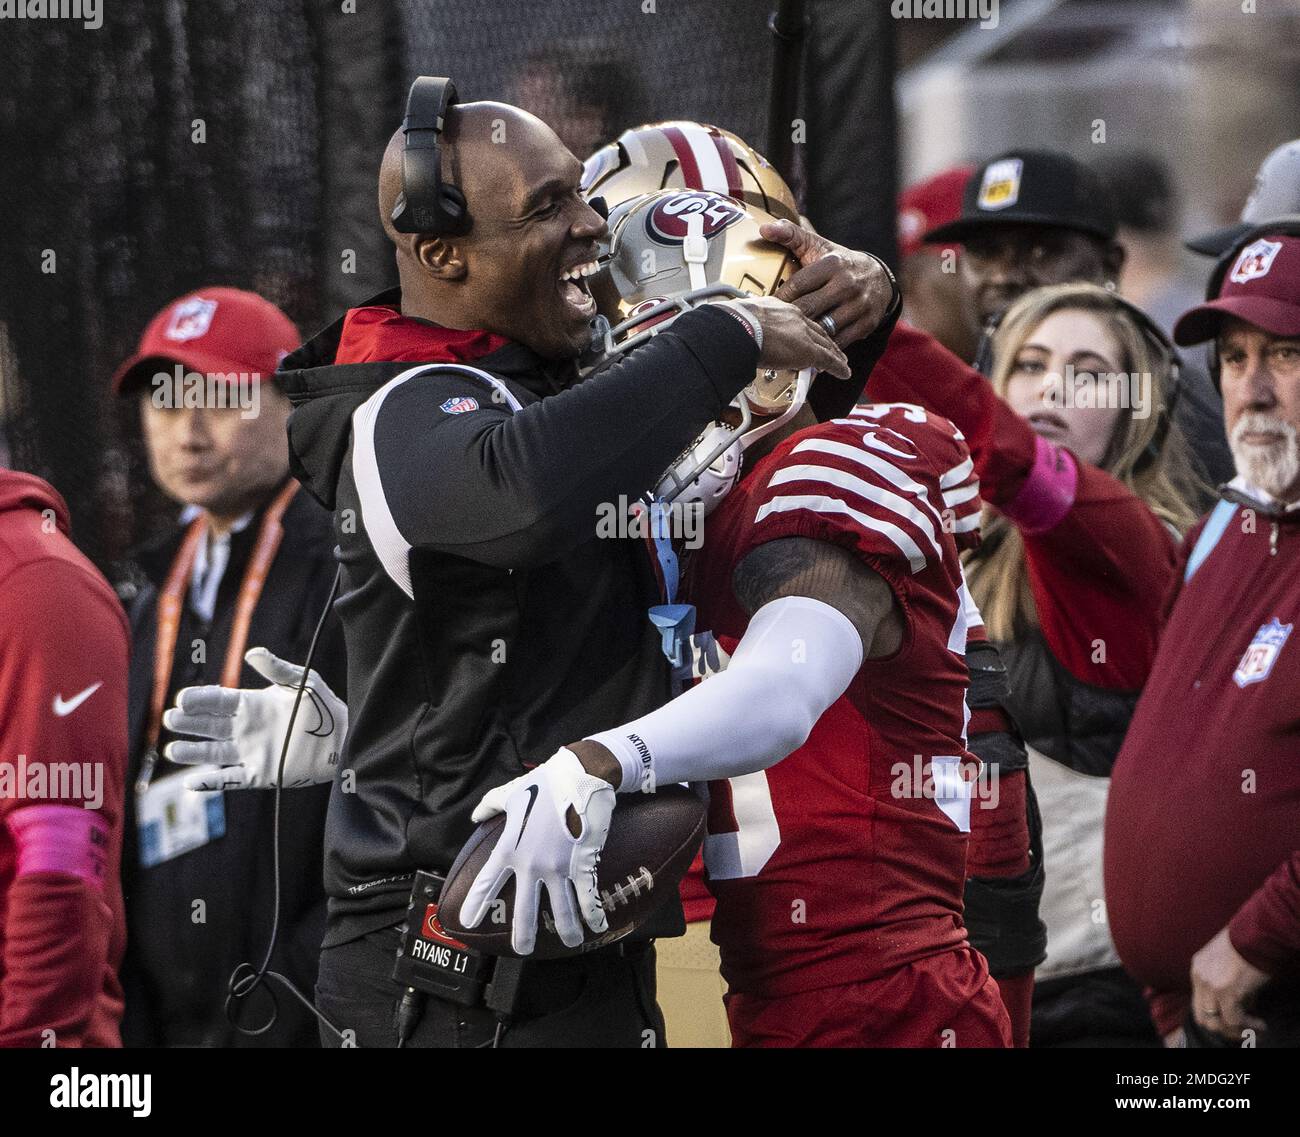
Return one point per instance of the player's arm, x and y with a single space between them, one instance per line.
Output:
64 657
512 490
817 611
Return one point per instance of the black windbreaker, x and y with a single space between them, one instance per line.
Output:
486 624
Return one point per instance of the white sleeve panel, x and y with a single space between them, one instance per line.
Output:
796 658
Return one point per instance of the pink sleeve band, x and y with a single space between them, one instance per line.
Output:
1048 492
61 838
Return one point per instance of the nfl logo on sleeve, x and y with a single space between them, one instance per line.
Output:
1257 663
459 404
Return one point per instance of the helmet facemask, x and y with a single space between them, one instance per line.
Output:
670 252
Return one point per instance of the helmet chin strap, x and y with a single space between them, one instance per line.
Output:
695 251
802 383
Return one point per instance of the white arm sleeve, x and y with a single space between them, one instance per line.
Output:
797 657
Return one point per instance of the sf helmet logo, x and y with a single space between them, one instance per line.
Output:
666 223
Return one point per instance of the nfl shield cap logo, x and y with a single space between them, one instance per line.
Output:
191 319
1255 260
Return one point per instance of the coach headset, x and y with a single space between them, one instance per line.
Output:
1288 226
427 204
1155 336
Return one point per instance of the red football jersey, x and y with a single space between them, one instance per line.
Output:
846 860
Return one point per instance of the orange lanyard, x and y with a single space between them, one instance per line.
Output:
172 598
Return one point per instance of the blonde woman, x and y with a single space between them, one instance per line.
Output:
1086 485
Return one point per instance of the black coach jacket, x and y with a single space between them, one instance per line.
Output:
179 957
486 623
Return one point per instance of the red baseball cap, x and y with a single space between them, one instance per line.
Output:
929 204
1262 287
213 330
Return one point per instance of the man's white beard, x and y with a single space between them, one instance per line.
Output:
1272 468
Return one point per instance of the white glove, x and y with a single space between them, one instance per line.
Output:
246 730
537 847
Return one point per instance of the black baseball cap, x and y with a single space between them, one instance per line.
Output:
1032 187
1276 195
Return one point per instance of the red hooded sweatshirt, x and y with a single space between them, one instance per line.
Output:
63 750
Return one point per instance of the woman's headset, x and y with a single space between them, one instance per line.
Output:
1155 336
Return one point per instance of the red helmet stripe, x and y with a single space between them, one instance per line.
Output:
682 148
728 163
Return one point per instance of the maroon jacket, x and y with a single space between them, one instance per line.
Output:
63 673
1203 824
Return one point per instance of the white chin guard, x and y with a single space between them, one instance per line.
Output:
711 467
704 473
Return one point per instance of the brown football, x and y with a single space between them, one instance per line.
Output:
652 840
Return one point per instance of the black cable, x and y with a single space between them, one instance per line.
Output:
244 980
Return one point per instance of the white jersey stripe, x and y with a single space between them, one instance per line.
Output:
392 549
956 475
846 481
963 493
817 504
886 470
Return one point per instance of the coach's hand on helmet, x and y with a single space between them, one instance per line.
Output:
557 819
791 341
854 289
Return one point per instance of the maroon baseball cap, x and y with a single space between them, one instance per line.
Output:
1262 287
212 330
928 205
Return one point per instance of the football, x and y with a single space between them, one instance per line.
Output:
652 840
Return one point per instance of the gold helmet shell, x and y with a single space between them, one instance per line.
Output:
686 155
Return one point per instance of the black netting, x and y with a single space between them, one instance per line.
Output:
594 67
116 200
100 164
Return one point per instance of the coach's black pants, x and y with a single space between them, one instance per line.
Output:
606 999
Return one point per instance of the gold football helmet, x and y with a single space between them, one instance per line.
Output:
686 155
671 251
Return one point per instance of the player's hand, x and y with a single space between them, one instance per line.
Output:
557 819
244 730
791 341
1222 985
854 289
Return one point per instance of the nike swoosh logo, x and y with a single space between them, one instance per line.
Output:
532 799
63 707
